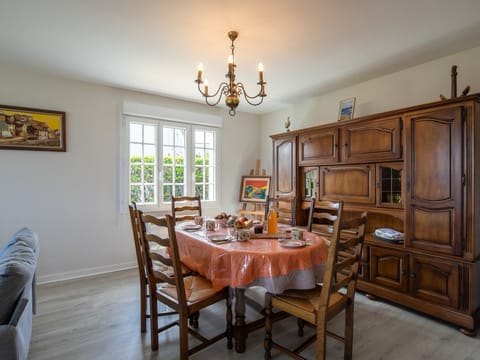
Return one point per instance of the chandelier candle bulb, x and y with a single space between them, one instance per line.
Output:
199 73
206 87
260 72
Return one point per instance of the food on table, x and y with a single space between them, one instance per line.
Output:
243 223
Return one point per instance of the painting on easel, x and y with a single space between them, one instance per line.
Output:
254 188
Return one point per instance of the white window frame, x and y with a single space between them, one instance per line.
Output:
190 186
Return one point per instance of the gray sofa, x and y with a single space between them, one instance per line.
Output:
18 262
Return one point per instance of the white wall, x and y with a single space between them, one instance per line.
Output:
413 86
71 199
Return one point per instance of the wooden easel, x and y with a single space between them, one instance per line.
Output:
255 209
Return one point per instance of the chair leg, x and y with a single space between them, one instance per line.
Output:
229 322
143 308
321 338
193 319
348 350
183 332
267 343
300 325
153 324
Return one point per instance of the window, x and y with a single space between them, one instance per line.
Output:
168 158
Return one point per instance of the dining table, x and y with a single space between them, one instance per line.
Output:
272 261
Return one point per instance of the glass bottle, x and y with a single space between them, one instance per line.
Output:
272 222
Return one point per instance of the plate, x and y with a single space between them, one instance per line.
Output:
219 238
191 227
292 243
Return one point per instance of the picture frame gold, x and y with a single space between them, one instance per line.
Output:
254 188
23 128
346 109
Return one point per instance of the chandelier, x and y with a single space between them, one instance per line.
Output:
231 89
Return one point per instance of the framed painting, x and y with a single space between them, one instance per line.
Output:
254 188
32 129
347 107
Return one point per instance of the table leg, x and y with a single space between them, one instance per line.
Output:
239 330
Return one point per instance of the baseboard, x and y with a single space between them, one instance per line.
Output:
69 275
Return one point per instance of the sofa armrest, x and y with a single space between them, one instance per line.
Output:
17 313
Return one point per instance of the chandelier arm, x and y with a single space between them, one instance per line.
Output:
248 97
221 87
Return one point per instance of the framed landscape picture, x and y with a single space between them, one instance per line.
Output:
32 129
347 107
254 188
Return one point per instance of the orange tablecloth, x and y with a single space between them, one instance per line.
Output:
255 262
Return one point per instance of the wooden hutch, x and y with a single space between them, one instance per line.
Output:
416 170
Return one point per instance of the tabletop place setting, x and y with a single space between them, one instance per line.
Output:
224 229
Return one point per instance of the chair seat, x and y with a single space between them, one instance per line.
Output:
305 302
197 288
161 268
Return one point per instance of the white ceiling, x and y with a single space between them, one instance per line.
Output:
306 46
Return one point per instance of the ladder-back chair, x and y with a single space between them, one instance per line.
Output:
144 293
186 208
336 293
187 295
284 207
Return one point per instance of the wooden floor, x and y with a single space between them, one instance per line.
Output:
98 318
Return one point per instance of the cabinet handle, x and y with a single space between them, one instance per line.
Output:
346 144
413 275
404 273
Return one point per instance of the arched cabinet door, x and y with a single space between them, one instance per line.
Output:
434 180
285 165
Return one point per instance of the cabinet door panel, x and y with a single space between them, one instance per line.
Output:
372 140
434 186
284 153
352 183
435 281
318 147
389 268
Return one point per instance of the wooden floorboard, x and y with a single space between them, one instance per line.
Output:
98 318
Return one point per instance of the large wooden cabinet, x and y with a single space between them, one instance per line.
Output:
416 170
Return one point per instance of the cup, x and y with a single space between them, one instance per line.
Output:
258 228
231 232
297 234
198 220
210 225
243 235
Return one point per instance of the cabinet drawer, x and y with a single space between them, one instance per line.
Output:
372 140
351 183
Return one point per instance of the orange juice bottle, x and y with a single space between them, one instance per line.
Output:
272 222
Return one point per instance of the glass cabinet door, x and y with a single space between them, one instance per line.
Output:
389 184
310 182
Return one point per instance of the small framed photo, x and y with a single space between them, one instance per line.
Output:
254 189
32 129
347 107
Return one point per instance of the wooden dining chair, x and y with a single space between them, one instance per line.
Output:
144 292
144 289
186 208
187 295
336 293
284 206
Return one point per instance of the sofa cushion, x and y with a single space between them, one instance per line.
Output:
18 260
